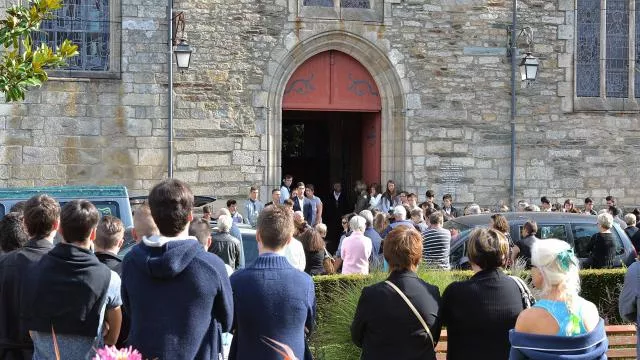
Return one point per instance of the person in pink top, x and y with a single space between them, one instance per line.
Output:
356 248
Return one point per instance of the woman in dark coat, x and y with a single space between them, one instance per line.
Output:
313 245
384 326
603 244
479 312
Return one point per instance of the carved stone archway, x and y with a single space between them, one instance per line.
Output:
379 66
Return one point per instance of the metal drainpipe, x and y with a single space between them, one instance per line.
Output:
170 97
514 65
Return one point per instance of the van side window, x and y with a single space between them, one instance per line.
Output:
551 232
2 212
457 254
582 238
104 207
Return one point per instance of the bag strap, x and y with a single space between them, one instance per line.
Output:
527 297
413 309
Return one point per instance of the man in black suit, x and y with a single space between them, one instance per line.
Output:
302 203
336 206
447 207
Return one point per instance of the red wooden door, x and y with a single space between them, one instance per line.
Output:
332 81
371 149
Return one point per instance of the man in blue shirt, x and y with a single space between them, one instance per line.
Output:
269 288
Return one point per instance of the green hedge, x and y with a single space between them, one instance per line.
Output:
337 297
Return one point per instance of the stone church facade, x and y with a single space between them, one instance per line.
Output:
441 68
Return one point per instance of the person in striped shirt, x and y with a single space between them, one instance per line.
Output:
436 243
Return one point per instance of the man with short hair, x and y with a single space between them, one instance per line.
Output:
316 205
611 204
224 245
252 207
206 212
302 203
430 196
143 224
285 189
400 217
275 197
177 293
235 232
412 201
109 240
13 235
71 293
371 233
473 209
631 228
447 206
522 247
417 216
232 206
269 288
436 243
588 207
545 204
404 200
201 230
41 220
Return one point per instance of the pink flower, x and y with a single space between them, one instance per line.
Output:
111 353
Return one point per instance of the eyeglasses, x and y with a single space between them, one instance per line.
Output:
344 223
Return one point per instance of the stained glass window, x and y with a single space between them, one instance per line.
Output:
617 56
86 24
323 3
356 4
588 49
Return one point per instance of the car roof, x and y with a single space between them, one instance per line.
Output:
516 217
67 191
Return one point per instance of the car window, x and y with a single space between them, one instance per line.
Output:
582 238
457 254
551 232
458 230
104 207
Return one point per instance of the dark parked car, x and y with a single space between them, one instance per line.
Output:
576 229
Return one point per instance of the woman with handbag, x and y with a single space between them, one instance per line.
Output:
479 312
561 324
398 318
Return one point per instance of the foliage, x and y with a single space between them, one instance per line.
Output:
338 295
23 64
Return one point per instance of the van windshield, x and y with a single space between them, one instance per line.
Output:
458 230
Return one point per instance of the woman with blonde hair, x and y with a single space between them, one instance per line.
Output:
561 324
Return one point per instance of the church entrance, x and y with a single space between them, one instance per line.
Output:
331 127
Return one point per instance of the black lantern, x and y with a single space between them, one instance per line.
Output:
529 68
183 55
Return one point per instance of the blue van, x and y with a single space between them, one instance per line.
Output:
110 200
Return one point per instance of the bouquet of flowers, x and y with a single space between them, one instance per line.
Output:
111 353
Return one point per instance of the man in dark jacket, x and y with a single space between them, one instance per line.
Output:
177 294
109 240
41 219
70 292
447 206
522 248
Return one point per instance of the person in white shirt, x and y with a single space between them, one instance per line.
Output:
294 252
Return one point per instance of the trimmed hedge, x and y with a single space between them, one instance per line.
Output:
337 297
596 285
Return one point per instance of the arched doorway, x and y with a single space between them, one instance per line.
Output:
331 123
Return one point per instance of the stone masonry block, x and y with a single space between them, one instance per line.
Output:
214 159
40 155
187 161
151 157
214 144
565 32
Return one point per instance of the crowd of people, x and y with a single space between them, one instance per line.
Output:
185 292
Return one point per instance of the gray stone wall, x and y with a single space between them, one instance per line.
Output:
450 65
